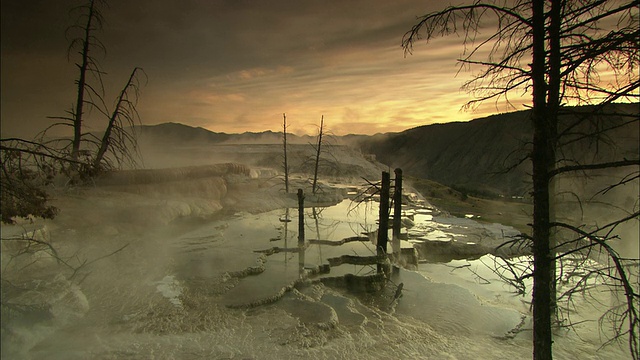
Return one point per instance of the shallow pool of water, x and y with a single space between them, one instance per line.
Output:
231 289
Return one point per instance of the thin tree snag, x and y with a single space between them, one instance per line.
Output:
300 216
397 215
284 145
314 187
113 120
383 219
301 244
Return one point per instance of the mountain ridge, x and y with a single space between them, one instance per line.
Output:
472 157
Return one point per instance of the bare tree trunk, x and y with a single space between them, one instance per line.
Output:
577 45
300 216
383 219
284 143
553 108
82 83
542 340
113 122
397 215
314 188
301 241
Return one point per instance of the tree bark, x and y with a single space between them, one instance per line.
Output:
300 216
314 188
553 109
284 143
106 138
397 215
82 81
383 218
542 340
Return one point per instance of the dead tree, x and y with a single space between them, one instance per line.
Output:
27 169
553 50
383 219
88 22
314 187
119 138
284 146
397 214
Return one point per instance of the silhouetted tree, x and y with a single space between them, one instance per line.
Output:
554 50
118 138
284 146
88 22
28 167
314 187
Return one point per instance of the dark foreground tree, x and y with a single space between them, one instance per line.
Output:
84 42
119 138
555 51
117 146
29 167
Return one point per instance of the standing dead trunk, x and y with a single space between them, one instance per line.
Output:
383 219
314 188
542 151
82 83
113 122
301 242
552 113
397 215
300 216
284 145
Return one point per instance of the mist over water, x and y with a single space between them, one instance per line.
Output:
165 297
183 263
590 202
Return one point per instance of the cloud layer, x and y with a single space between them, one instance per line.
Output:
236 66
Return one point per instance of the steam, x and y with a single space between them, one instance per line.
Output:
585 200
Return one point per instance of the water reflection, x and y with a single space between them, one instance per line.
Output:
258 249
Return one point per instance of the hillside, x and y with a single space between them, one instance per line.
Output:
172 145
485 156
474 156
176 133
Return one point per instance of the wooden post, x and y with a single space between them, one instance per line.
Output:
383 218
397 216
301 245
300 216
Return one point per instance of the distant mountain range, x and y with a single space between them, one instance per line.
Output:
179 133
470 156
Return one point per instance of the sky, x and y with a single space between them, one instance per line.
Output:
235 66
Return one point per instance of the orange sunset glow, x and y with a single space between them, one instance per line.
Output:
236 68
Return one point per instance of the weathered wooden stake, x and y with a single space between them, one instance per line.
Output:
383 218
397 215
301 245
300 216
